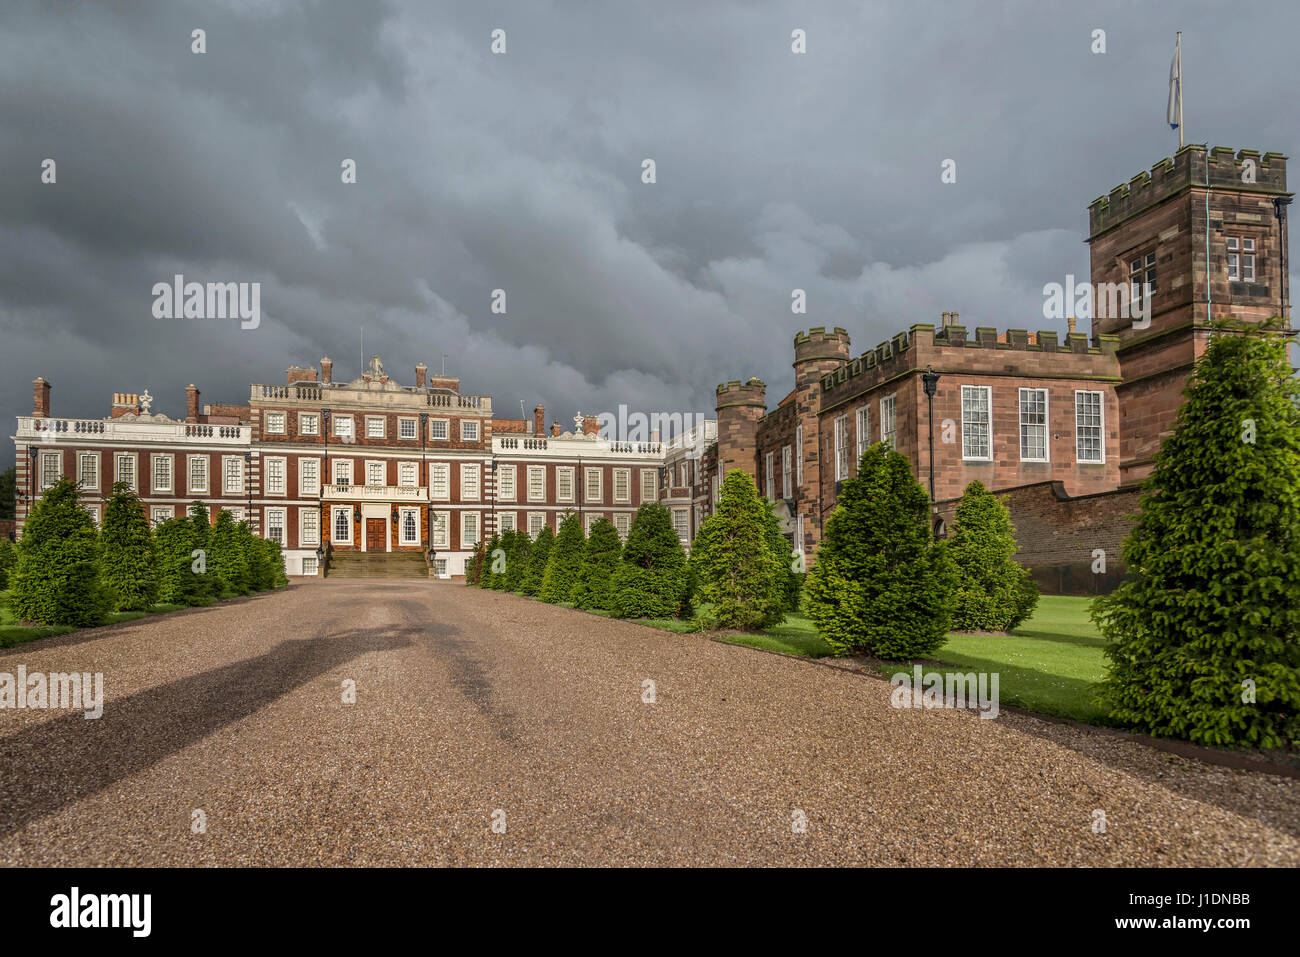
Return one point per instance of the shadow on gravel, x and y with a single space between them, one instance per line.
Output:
46 766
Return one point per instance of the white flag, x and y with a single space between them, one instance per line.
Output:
1174 113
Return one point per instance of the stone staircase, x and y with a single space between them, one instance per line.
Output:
349 564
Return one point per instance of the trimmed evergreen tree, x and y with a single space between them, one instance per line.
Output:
517 561
8 558
56 580
178 581
564 563
261 576
228 555
651 579
538 555
211 584
737 572
994 592
127 561
599 562
473 565
1204 634
492 563
881 583
273 560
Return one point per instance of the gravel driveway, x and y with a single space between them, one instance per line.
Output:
475 706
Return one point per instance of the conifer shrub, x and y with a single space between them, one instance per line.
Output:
881 584
739 574
599 562
517 561
56 579
179 581
1203 635
994 592
229 557
564 562
538 555
8 557
493 569
211 585
651 579
127 561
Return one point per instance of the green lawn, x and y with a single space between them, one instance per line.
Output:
12 633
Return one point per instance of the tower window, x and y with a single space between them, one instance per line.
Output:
1142 273
1241 259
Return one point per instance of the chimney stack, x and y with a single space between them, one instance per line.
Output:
421 375
124 402
590 425
946 320
326 369
1071 323
539 420
40 398
191 403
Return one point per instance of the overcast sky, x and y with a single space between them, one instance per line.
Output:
523 171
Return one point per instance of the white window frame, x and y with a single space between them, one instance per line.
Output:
968 433
798 458
599 475
382 465
276 423
563 473
1047 445
346 511
411 468
306 536
439 425
507 521
769 478
471 482
889 419
536 522
625 477
282 514
340 468
785 472
507 483
346 434
158 514
191 486
841 439
170 487
1101 427
308 423
683 532
466 542
227 488
309 565
440 481
622 524
652 475
376 420
402 424
81 471
269 464
589 519
402 515
306 489
537 483
440 529
862 431
469 430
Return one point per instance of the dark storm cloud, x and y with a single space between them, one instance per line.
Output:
522 172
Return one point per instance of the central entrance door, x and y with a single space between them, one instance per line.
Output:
376 529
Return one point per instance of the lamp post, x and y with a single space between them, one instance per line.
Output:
930 380
1280 203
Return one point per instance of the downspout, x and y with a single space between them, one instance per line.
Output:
1209 286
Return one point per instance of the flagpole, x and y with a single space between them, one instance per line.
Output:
1180 89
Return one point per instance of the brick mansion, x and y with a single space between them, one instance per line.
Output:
1065 426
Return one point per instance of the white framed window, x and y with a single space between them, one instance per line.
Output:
342 524
589 519
536 522
409 526
275 525
308 423
408 428
537 483
682 523
1248 260
623 485
161 513
889 420
274 469
440 567
1241 259
344 427
162 473
92 511
507 521
438 430
440 481
342 471
309 565
683 473
236 513
841 448
714 480
439 522
594 490
232 474
469 526
977 423
471 486
769 477
469 430
308 477
1089 424
564 484
308 526
785 472
88 470
507 489
376 472
408 474
376 427
798 459
1142 277
198 465
649 485
124 470
1033 425
622 524
275 423
862 432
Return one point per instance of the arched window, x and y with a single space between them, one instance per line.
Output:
940 529
342 527
408 527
